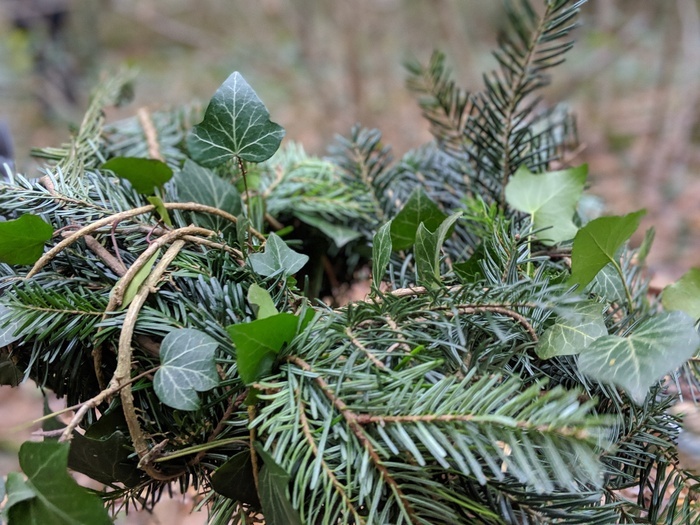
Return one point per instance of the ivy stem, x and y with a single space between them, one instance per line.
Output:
628 293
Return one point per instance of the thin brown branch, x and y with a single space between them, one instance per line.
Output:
253 453
150 133
110 260
503 310
357 429
90 228
366 351
340 489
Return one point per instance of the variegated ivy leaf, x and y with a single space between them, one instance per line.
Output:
236 125
573 331
657 346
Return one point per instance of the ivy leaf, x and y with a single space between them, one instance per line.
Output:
274 481
340 235
105 459
418 209
145 175
187 367
574 330
262 302
138 279
658 346
381 253
596 244
549 198
259 342
428 249
161 210
234 479
8 328
683 295
470 270
57 499
277 256
236 124
608 284
197 184
22 239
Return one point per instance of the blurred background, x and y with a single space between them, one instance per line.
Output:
633 79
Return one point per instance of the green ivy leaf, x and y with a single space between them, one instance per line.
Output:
596 244
141 276
277 256
683 295
105 459
236 124
197 184
574 330
340 235
234 479
658 346
263 305
381 253
418 209
608 284
259 342
187 367
161 210
274 483
22 239
428 249
50 495
550 199
470 270
145 175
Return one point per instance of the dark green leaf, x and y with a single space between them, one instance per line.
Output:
470 270
160 209
549 198
18 490
187 367
428 249
274 494
236 124
608 284
418 209
277 257
138 279
262 302
259 342
340 235
658 346
145 175
106 460
684 294
197 184
234 479
573 331
596 244
58 499
22 240
10 373
381 253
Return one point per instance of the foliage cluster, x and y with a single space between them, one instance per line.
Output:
508 366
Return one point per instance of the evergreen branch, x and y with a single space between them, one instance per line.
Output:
351 419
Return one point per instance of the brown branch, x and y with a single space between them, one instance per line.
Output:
329 471
110 260
253 453
86 230
503 310
149 131
362 347
357 429
123 370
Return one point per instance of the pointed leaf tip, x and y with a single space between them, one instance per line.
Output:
236 124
